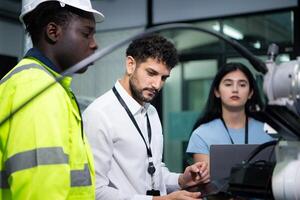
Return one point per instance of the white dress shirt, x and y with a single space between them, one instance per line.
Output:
120 153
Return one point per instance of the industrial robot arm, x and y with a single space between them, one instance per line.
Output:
282 88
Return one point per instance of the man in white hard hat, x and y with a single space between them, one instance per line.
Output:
44 153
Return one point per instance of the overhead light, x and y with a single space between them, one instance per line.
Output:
230 31
216 27
284 58
257 45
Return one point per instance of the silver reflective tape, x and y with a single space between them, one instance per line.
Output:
81 177
3 180
24 67
33 158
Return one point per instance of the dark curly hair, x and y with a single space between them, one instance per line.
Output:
153 46
213 108
50 11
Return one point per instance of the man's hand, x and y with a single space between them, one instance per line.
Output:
180 195
194 174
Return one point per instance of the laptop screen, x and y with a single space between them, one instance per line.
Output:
224 157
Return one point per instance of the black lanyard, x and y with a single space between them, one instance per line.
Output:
246 130
151 168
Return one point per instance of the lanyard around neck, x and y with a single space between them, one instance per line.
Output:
151 168
246 131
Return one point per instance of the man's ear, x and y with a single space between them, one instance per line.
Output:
130 65
53 32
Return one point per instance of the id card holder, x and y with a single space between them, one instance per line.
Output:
153 192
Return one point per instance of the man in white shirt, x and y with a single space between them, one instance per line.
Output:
125 131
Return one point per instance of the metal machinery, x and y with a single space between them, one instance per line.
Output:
280 180
282 88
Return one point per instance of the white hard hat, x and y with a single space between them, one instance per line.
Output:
85 5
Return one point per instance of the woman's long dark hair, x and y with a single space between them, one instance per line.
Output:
213 108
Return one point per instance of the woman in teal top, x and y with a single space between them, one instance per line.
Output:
227 116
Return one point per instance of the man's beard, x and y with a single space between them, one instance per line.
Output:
138 94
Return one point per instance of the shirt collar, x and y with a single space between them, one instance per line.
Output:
37 54
134 107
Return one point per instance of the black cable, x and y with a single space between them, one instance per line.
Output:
259 149
256 62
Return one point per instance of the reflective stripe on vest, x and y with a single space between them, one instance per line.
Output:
43 156
81 177
3 180
24 67
30 159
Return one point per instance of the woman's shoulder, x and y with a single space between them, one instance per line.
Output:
207 126
256 122
261 127
212 122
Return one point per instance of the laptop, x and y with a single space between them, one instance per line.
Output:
224 157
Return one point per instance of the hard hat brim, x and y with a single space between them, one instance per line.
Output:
99 17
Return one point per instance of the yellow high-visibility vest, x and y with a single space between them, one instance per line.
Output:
44 154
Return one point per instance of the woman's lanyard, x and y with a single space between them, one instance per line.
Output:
151 168
246 130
